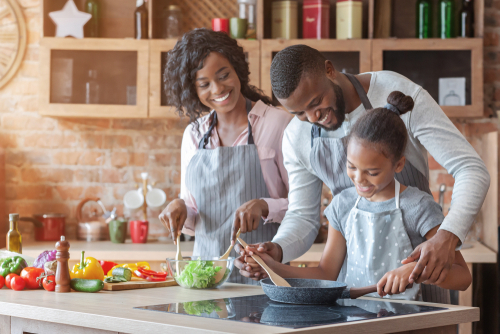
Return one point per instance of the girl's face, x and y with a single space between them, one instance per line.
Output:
371 171
217 83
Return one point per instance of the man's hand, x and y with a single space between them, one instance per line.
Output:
435 258
247 217
174 216
248 267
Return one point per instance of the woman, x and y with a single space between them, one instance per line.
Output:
232 173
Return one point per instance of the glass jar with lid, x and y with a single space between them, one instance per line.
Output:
173 21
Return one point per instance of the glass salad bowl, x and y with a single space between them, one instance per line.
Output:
200 273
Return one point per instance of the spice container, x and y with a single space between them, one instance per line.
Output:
172 24
316 19
284 15
349 19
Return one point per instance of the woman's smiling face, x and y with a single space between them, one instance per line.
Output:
370 170
217 84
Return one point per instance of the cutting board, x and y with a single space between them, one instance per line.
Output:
138 284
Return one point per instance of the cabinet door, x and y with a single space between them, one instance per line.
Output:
28 326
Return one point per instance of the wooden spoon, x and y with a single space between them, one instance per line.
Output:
275 278
223 264
178 256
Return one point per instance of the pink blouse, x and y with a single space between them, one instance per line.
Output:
268 124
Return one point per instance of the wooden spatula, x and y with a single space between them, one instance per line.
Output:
223 264
178 256
277 279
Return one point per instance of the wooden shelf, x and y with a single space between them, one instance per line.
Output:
427 66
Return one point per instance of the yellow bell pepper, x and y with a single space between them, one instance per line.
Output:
88 268
132 266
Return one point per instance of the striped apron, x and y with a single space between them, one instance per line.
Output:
221 180
328 160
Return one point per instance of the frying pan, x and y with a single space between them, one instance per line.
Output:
312 291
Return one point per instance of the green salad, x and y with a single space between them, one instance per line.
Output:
204 306
199 274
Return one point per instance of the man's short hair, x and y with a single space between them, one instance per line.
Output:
290 64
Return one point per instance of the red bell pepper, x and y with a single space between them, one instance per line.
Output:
151 278
107 265
152 272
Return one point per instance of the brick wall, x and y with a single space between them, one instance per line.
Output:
51 164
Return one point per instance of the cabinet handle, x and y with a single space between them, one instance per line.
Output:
302 265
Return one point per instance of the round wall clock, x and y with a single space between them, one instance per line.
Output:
13 39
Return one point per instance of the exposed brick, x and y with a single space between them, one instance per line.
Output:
113 176
433 163
90 140
9 140
55 175
87 175
491 39
21 192
139 159
447 179
69 192
91 158
32 157
120 159
82 124
94 191
28 103
479 129
175 177
12 174
43 140
66 158
117 141
167 159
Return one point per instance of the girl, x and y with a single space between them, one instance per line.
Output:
377 223
232 173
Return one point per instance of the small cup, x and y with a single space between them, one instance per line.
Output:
133 199
238 27
139 231
118 231
155 198
220 24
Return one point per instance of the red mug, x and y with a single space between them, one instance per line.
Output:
139 231
219 24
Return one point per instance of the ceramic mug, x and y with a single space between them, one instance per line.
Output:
238 27
139 231
118 231
219 24
133 199
155 198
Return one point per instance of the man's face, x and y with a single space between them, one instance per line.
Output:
318 100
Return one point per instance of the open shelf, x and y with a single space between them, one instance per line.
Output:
120 88
424 61
158 104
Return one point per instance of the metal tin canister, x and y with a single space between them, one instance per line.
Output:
285 16
349 19
316 19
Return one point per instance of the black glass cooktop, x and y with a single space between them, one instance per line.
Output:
260 309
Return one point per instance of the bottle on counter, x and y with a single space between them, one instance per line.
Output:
172 23
92 88
466 19
62 272
285 14
446 18
92 27
316 19
423 19
141 20
349 19
14 238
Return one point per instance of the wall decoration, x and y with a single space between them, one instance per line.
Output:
70 21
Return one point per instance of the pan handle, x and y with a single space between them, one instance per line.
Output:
36 222
354 293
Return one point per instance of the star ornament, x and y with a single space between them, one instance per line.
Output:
70 21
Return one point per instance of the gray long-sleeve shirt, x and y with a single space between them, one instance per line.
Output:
429 130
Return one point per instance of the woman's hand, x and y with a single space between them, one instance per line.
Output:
248 215
396 281
174 216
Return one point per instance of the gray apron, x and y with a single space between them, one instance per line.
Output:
328 160
376 244
221 180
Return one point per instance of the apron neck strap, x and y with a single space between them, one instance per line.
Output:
397 189
206 137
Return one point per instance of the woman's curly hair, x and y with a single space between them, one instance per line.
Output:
187 57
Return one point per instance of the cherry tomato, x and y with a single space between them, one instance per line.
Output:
49 283
2 281
30 275
17 283
8 278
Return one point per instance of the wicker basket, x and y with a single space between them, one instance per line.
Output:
199 13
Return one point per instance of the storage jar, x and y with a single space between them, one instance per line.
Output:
316 19
284 14
349 19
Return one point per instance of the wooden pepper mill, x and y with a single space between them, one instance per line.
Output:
62 271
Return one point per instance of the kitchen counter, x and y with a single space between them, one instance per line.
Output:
42 312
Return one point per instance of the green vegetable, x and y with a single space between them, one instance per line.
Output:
115 279
122 272
86 285
13 265
198 274
204 306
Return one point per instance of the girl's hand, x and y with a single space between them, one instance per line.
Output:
174 216
396 281
248 215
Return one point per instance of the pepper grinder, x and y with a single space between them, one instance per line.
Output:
62 271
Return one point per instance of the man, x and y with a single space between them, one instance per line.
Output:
326 104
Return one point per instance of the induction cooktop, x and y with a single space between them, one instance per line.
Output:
260 309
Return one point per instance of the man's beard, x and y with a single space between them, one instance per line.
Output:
339 113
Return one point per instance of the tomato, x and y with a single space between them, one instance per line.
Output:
8 278
49 283
2 281
30 275
17 283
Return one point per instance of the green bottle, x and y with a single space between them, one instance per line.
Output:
92 27
446 18
423 20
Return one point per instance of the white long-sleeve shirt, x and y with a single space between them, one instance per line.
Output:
429 130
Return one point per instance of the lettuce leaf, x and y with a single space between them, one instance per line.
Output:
198 274
204 306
